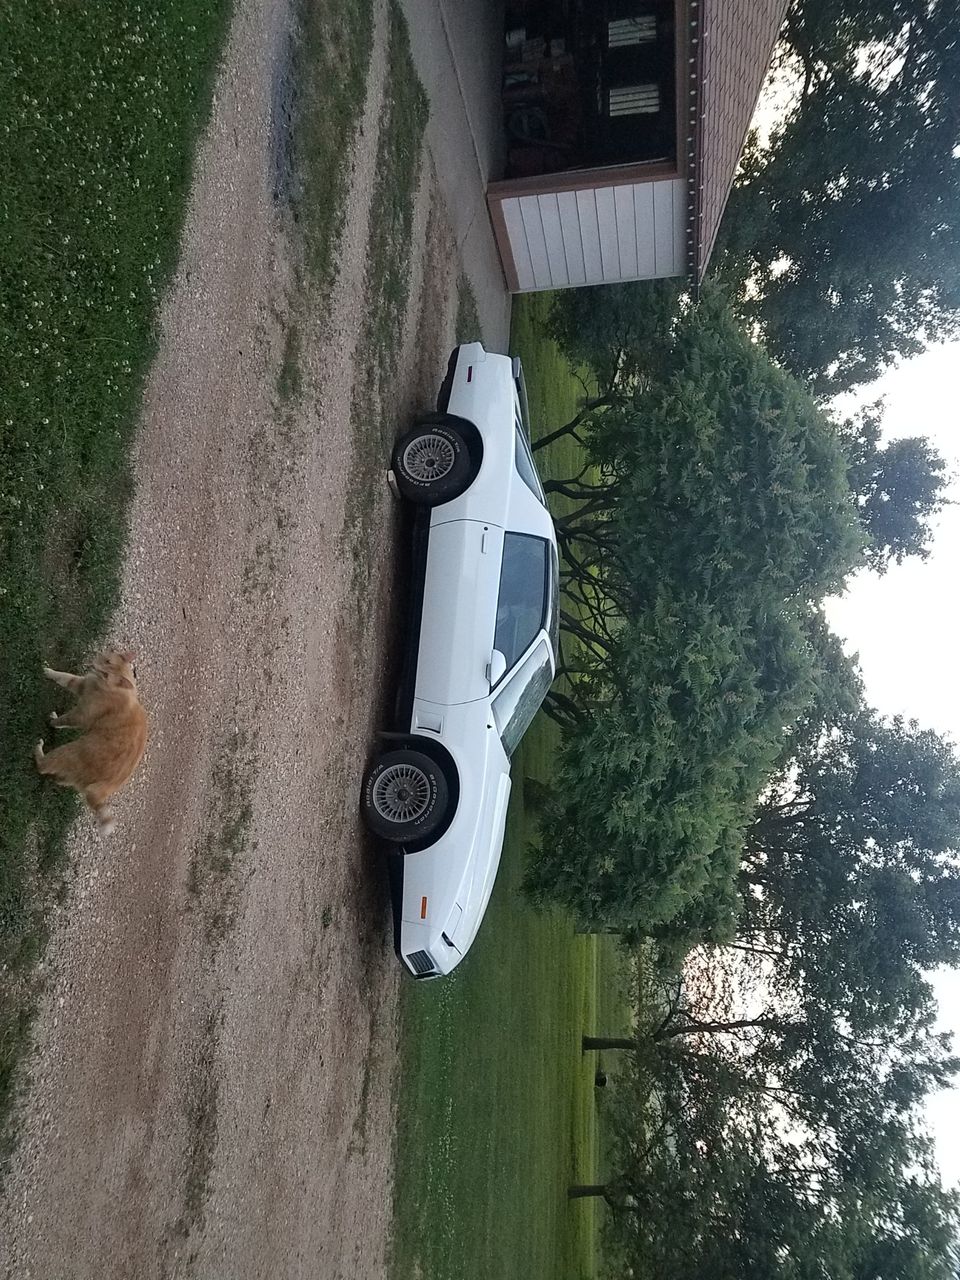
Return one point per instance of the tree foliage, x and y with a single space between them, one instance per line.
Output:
847 224
899 487
787 1069
615 330
715 514
850 882
756 1136
619 333
721 780
715 1185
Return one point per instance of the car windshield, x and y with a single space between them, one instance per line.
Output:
526 468
521 604
520 698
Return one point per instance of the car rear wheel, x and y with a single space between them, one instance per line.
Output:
432 464
405 796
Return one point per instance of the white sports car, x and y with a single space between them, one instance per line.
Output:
480 661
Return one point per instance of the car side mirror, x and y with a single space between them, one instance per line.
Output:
496 667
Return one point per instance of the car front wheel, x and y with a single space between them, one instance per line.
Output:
432 464
405 797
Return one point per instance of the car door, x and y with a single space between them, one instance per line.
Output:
459 611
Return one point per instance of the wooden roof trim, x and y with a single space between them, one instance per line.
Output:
620 175
693 116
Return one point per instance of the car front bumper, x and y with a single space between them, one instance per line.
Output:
412 942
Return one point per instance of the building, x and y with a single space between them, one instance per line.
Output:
625 120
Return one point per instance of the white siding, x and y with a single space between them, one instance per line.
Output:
590 236
597 236
518 245
536 241
609 241
643 206
553 237
664 252
572 240
626 229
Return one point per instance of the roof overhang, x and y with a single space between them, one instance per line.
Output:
694 140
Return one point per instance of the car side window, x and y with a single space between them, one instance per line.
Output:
521 697
523 586
526 468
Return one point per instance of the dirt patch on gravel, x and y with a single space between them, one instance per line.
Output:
211 1091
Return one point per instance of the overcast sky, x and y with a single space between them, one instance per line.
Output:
905 627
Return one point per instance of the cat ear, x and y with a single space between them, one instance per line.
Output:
124 683
128 655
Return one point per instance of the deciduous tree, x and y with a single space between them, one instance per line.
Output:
847 224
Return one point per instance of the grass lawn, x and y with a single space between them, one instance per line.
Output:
330 71
497 1113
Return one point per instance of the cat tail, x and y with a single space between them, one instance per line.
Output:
106 820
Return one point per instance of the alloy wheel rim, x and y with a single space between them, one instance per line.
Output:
401 793
429 457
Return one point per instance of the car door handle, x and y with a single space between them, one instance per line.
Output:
483 543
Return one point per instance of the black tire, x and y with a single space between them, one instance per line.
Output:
432 463
405 797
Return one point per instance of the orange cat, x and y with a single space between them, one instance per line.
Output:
100 762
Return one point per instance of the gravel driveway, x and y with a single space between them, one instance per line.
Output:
211 1091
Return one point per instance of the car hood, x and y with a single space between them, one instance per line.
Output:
481 873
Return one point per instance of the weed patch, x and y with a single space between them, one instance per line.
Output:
387 284
215 878
331 73
289 381
468 317
202 1118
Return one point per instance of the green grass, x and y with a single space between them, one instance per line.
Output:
467 326
496 1114
554 391
289 379
215 874
391 213
497 1111
330 70
387 287
101 105
321 94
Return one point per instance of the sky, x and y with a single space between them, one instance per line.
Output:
905 627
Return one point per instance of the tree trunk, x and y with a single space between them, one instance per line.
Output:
606 1042
581 1192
